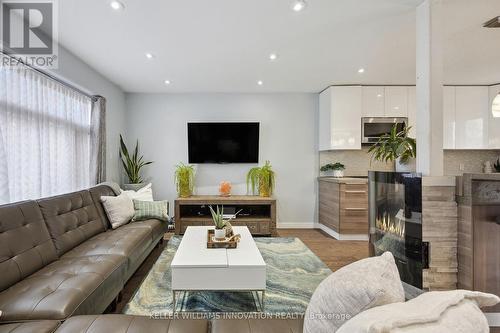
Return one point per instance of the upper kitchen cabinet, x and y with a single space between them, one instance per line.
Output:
340 118
412 111
494 117
396 101
373 101
449 96
471 117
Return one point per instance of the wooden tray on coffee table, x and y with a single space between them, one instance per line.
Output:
211 244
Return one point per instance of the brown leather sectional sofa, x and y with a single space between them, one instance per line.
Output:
61 266
59 256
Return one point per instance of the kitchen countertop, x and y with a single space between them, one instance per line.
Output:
344 180
486 188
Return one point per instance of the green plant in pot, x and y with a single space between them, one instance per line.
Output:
132 164
335 169
397 147
184 180
261 179
222 225
219 222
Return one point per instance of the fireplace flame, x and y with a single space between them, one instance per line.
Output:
391 225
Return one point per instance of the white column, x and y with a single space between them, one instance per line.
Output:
429 89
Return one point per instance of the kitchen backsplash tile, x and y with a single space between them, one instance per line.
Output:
358 162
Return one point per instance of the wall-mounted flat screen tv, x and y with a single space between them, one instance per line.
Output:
223 142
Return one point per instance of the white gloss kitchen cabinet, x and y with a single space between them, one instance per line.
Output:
471 117
468 122
340 109
385 101
494 123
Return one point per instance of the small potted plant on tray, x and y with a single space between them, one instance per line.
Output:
221 223
333 169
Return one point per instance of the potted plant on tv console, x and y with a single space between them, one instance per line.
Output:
184 180
132 164
333 169
396 147
261 178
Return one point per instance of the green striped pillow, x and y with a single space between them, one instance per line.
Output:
145 210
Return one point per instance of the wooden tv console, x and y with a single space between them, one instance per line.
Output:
258 213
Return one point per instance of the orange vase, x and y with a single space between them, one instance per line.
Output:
225 189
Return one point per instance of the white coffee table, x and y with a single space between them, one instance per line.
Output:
197 268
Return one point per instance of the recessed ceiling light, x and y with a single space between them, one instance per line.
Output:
379 95
273 56
260 82
150 55
299 5
361 70
117 5
167 82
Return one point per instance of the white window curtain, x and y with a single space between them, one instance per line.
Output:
47 137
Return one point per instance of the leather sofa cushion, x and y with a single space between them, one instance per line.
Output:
96 193
156 227
45 326
71 219
257 326
131 243
25 244
130 324
57 290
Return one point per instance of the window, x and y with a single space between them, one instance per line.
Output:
47 137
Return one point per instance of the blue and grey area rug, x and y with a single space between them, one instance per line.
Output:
293 273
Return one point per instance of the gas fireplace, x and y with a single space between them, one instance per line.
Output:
396 222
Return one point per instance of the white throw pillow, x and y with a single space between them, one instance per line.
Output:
142 194
455 311
352 289
119 209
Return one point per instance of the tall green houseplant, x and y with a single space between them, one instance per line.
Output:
184 180
132 164
261 179
395 146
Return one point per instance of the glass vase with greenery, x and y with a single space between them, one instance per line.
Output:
132 164
261 179
184 180
395 146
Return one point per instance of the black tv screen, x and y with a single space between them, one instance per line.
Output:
223 142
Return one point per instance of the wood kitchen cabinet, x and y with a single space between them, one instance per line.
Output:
343 207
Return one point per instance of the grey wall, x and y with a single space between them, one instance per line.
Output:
288 139
73 70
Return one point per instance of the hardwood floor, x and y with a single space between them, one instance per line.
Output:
335 254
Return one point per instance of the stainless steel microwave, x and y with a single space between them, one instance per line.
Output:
372 128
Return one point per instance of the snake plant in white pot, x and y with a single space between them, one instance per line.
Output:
132 164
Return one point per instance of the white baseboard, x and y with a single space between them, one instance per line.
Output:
493 318
333 233
336 235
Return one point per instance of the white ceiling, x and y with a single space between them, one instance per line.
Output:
223 45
